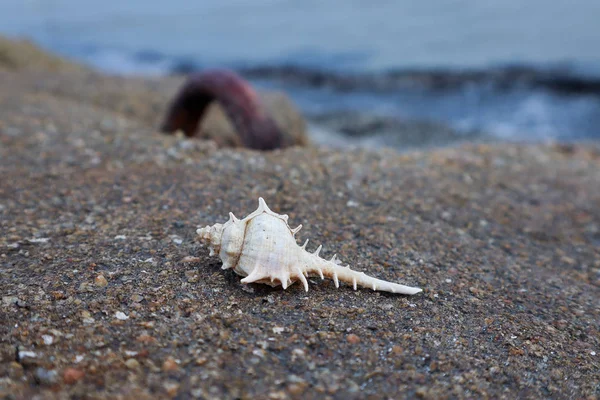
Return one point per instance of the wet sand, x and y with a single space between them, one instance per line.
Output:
106 293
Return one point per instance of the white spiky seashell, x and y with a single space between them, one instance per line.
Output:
262 248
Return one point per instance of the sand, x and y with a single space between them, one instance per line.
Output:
107 295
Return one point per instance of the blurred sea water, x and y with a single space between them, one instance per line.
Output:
354 38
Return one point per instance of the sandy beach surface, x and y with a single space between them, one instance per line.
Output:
106 294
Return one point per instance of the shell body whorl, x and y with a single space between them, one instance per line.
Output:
262 248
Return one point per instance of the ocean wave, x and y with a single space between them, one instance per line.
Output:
516 103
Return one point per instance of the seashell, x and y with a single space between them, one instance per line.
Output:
262 248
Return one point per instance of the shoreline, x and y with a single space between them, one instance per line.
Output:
508 103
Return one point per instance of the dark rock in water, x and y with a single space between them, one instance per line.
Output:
504 78
371 130
570 85
184 67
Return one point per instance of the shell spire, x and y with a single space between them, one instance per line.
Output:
334 270
262 249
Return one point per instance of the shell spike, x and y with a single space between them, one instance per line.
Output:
318 250
302 279
336 280
255 275
303 247
296 229
320 272
262 205
337 272
232 218
284 279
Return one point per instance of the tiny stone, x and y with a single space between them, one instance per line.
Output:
192 276
121 316
136 298
170 365
26 354
45 377
145 339
101 281
190 259
72 375
132 363
296 389
171 388
514 351
353 339
15 370
48 340
201 361
38 240
9 300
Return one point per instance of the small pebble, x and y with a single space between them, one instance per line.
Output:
353 339
26 354
10 300
101 281
201 361
15 370
38 240
171 388
136 298
170 365
121 316
132 363
296 389
46 377
190 259
72 375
